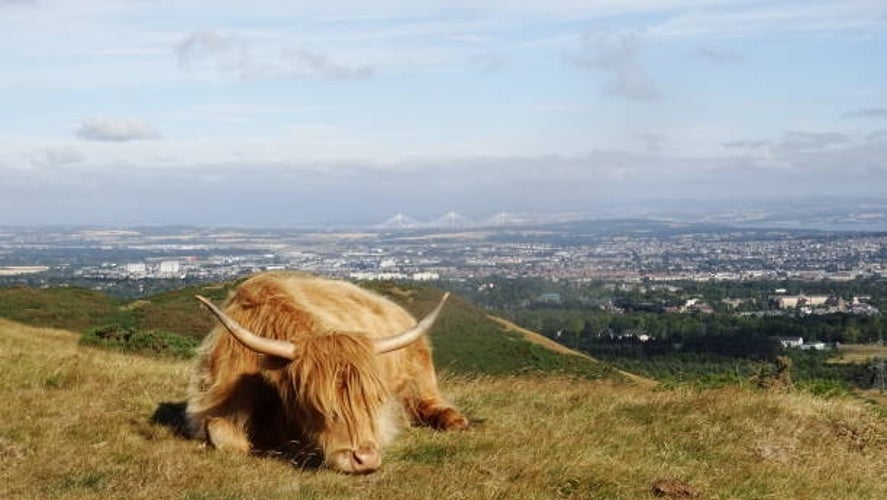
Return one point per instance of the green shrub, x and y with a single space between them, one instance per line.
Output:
155 342
824 387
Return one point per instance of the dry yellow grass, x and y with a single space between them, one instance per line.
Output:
76 423
546 342
536 337
859 353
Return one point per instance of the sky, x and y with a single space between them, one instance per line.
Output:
222 112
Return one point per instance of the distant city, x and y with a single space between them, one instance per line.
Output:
617 250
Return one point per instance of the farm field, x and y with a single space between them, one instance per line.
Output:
859 353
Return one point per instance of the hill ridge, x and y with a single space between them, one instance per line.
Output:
465 339
546 342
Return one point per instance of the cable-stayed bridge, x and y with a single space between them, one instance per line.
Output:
454 220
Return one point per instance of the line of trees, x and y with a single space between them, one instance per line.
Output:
742 335
629 326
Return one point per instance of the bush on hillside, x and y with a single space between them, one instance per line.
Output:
154 342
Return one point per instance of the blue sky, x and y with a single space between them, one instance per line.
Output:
289 113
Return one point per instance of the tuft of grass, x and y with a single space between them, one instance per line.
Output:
87 482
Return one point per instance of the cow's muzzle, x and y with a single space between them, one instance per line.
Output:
363 460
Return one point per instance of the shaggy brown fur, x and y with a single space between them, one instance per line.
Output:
337 395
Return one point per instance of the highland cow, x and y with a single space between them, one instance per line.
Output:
306 363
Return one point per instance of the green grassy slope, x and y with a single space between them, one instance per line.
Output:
465 340
77 309
177 311
71 308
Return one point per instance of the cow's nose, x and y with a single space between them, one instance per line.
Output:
366 459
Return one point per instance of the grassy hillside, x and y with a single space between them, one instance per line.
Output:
70 308
859 353
865 355
465 340
78 309
177 311
77 423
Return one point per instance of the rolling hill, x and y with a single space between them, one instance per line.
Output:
466 341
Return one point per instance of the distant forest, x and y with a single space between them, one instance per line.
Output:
629 325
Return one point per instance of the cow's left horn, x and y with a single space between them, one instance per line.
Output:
406 338
261 345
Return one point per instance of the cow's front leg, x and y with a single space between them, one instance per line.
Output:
438 414
226 435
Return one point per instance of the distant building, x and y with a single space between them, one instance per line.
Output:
814 346
136 269
798 301
425 276
701 307
169 267
790 342
21 270
798 343
692 305
550 298
369 276
733 303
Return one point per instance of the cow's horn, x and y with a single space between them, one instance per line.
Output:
261 345
406 338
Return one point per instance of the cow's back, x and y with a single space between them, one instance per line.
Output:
289 305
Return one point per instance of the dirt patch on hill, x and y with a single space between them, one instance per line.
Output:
546 342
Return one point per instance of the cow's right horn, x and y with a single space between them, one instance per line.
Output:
261 345
406 338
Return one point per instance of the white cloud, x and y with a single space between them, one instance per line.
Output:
227 52
307 63
718 55
616 54
230 53
338 189
56 156
812 157
742 19
878 136
794 142
116 130
868 113
654 142
745 144
810 141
